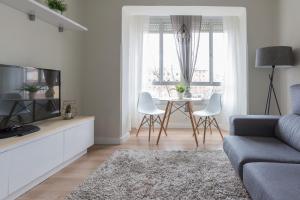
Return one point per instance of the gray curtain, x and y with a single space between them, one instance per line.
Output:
187 37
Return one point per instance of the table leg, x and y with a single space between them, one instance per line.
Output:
163 122
170 112
160 122
205 127
196 125
153 123
192 121
210 122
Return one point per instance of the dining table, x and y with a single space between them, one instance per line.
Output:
183 105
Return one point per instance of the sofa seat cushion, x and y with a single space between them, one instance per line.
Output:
272 181
288 130
241 150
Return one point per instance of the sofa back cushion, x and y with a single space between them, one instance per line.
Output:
288 130
295 96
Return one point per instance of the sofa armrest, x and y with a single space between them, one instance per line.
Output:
253 125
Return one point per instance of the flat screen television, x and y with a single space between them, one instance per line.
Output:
27 95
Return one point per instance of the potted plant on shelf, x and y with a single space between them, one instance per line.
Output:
180 88
68 112
57 5
31 89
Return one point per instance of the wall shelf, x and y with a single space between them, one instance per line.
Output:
35 9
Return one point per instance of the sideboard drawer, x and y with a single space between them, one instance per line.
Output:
4 166
34 160
78 139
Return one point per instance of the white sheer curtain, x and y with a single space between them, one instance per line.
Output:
235 79
137 28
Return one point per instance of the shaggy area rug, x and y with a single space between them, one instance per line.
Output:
135 174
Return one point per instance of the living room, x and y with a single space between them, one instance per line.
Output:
137 99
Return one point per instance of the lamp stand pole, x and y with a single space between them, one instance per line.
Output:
271 90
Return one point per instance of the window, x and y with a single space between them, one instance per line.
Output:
161 70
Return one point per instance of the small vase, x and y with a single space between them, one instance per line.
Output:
187 92
32 95
180 95
68 115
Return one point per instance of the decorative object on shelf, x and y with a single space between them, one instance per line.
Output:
271 57
57 5
180 88
69 108
31 89
68 112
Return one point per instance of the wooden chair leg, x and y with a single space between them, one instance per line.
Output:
210 121
205 126
153 124
160 122
217 126
150 127
142 123
199 122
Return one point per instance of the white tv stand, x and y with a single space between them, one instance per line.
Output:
27 161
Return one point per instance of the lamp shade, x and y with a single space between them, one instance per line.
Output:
279 56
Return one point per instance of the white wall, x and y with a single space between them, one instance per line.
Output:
102 88
27 43
289 29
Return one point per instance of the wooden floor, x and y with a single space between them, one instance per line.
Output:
62 183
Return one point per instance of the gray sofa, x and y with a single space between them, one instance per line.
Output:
265 152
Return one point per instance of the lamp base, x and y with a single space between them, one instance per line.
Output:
271 90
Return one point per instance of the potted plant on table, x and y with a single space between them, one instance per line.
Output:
57 5
180 88
32 90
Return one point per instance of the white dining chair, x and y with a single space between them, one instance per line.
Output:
151 113
207 116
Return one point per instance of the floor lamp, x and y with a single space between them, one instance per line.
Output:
274 57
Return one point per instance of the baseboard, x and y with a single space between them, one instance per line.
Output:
107 140
187 124
125 137
112 140
42 178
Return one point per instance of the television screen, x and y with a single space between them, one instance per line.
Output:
28 95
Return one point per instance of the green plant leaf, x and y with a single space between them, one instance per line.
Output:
59 5
180 88
31 88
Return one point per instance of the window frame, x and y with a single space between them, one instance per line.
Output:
211 81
